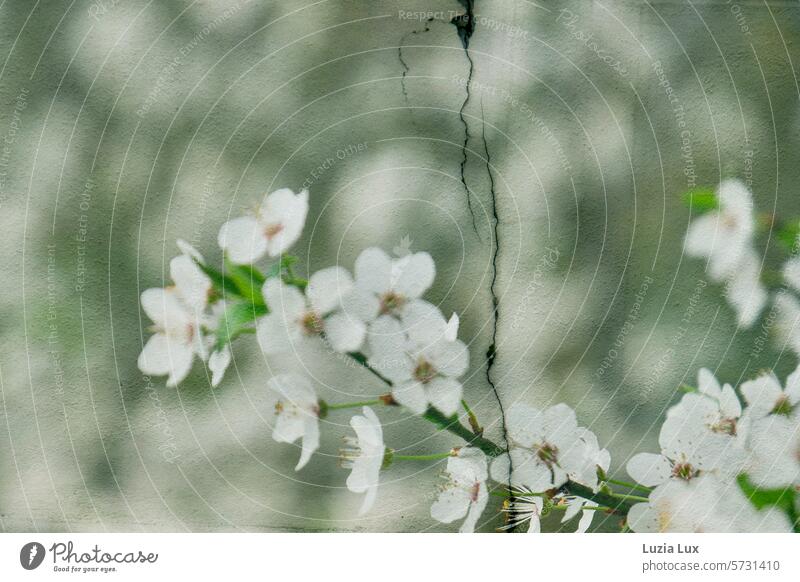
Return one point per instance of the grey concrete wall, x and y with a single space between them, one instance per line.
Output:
541 165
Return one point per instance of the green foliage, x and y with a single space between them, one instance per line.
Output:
238 319
701 200
788 235
783 499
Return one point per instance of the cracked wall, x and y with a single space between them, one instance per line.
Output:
532 149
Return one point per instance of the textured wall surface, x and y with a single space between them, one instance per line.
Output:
539 157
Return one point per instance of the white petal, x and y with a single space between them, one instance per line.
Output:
450 358
310 441
452 504
413 274
274 337
294 388
444 394
218 362
162 356
387 349
707 383
524 424
745 292
360 304
284 300
369 499
792 389
374 271
165 309
451 331
243 240
475 510
327 287
586 518
411 395
189 250
643 519
287 209
762 393
287 428
649 469
345 334
191 283
791 273
729 404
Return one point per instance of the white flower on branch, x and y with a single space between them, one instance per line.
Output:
546 448
705 504
296 410
464 492
276 226
387 286
724 236
364 457
295 318
765 395
712 409
418 355
178 316
773 450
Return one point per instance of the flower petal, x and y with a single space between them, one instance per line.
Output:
444 394
289 210
649 469
327 287
413 274
218 362
243 240
345 334
411 395
192 284
310 441
373 271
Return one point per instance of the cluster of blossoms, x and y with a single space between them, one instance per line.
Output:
724 236
377 317
713 450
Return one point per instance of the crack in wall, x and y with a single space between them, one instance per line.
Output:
491 352
465 26
403 62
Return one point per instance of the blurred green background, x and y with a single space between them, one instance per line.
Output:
542 168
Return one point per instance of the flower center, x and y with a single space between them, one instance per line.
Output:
312 323
684 471
725 426
729 221
782 406
273 230
474 491
424 372
547 453
391 302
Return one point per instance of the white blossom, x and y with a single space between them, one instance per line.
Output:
524 508
765 395
386 285
464 492
178 316
546 447
364 457
295 318
218 363
712 409
276 226
724 236
296 413
418 356
773 450
704 504
744 290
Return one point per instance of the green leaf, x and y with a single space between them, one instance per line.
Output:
236 320
783 499
788 235
247 281
701 200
